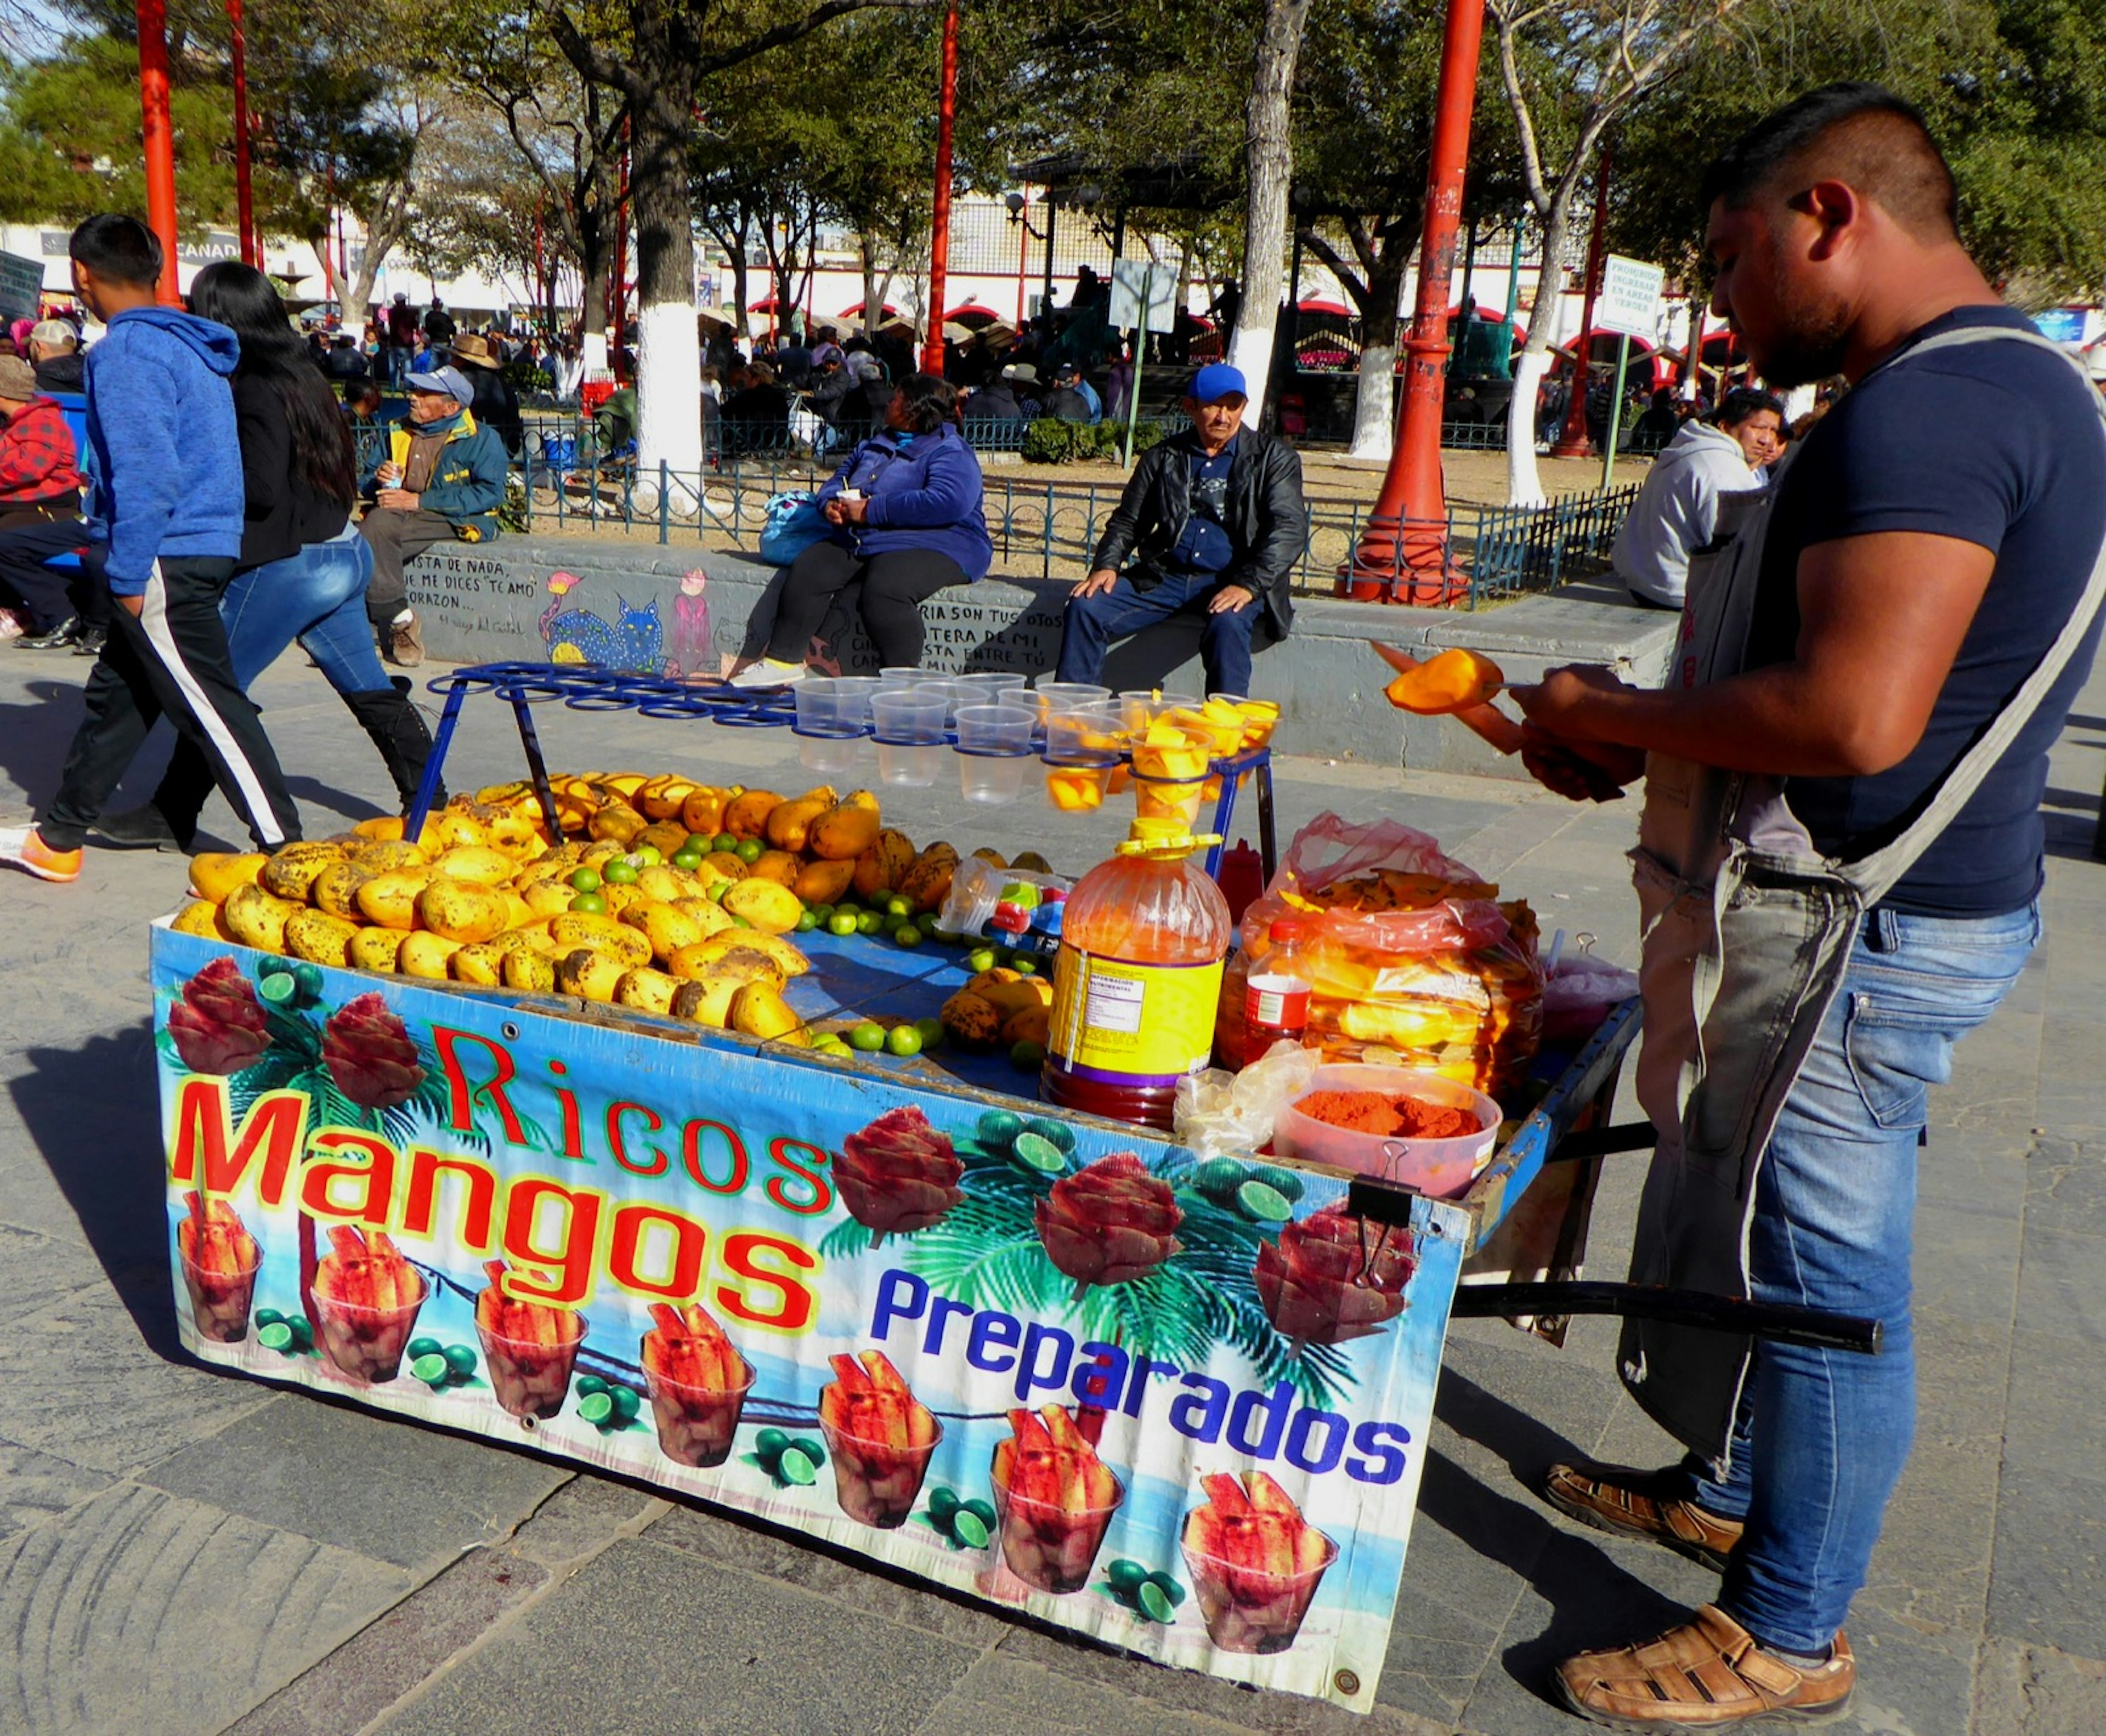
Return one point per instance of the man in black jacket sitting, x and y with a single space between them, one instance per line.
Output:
1213 522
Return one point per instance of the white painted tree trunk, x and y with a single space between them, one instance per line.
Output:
1374 406
594 353
1269 164
1524 481
668 370
1798 402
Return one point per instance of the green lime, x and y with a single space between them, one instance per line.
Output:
823 913
267 1317
715 890
687 860
969 1530
841 923
1028 1058
698 843
588 1385
793 1467
1059 1132
908 935
869 922
646 855
980 959
903 1040
1263 1204
275 1336
868 1037
589 904
832 1045
942 1503
811 1448
723 841
620 872
806 922
1125 1575
749 850
996 1127
596 1407
278 988
739 921
932 1032
431 1370
769 1442
896 906
1285 1183
1154 1603
1219 1177
1168 1586
850 905
418 1346
627 1402
303 1330
461 1359
982 1510
1042 1155
1023 965
309 977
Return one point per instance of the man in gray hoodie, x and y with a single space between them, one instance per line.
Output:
1677 509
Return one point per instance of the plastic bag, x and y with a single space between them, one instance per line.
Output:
1010 907
1580 993
792 524
1220 1114
1414 958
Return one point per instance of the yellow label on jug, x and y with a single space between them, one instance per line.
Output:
1131 1024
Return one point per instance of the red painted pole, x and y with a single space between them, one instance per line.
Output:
1572 442
160 139
1403 555
939 215
244 200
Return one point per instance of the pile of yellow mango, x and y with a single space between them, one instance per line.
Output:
665 896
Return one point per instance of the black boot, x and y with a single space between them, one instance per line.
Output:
144 828
399 731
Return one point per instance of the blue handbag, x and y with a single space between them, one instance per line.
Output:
792 523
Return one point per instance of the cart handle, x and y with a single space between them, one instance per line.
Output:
1778 1322
1604 1142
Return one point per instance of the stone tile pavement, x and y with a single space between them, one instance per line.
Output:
183 1553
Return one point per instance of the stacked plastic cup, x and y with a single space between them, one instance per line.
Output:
994 745
1083 744
993 688
825 743
1064 695
910 727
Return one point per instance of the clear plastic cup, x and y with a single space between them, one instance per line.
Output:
696 1423
896 678
994 745
1065 695
852 697
1076 789
915 715
953 692
1168 798
367 1343
219 1301
989 685
1261 718
910 766
1085 734
529 1377
832 753
1050 1548
876 1482
1248 1609
818 706
1143 706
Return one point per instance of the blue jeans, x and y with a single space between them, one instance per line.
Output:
1823 1435
317 597
1092 624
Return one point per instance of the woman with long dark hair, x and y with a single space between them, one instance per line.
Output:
304 567
905 521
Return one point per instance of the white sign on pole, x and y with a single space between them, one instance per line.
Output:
21 282
1629 301
1143 294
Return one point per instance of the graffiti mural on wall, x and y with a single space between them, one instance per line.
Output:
634 640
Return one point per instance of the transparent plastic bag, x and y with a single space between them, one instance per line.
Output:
1220 1114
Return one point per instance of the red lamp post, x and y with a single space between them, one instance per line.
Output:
1402 553
159 139
245 202
1572 441
939 215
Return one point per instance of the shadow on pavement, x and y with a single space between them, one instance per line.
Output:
93 1115
33 737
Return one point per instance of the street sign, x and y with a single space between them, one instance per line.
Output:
21 283
1145 294
1629 301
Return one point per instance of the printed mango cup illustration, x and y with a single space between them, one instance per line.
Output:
529 1348
219 1259
367 1295
880 1437
1255 1562
698 1383
1054 1498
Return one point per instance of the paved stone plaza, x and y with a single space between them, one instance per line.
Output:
182 1553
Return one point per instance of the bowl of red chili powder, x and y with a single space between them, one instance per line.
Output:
1430 1132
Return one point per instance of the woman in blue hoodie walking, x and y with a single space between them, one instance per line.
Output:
905 510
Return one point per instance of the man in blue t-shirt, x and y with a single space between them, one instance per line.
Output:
1925 548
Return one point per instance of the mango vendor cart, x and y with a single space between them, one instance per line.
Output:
1059 1364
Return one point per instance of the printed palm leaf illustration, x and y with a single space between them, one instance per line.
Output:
987 1252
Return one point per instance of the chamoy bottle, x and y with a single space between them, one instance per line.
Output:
1138 978
1276 993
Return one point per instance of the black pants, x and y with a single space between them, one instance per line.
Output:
29 537
171 657
395 538
891 587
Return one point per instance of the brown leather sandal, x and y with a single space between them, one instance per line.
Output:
1627 1503
1709 1675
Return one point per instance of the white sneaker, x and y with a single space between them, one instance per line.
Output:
770 674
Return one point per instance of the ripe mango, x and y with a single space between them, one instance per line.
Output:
204 919
721 865
708 914
667 837
481 965
824 882
591 974
549 897
844 832
663 797
706 1001
457 823
928 881
746 816
216 874
703 810
576 928
390 900
615 822
789 825
668 929
479 864
295 868
376 949
320 938
647 991
665 884
778 866
704 961
768 904
335 889
255 918
461 910
425 955
533 972
379 856
880 867
761 1011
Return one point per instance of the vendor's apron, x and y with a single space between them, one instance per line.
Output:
1746 932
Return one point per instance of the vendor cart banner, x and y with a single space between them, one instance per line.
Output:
1179 1406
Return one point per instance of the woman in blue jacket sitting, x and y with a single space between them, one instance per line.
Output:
905 511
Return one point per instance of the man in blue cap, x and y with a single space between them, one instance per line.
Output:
1211 524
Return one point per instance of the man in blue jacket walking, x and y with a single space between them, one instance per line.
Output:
164 466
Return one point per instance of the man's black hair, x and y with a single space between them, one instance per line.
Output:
1861 134
1743 401
119 248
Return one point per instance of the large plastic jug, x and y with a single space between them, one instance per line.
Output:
1138 978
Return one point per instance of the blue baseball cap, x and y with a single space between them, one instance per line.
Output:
1217 381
